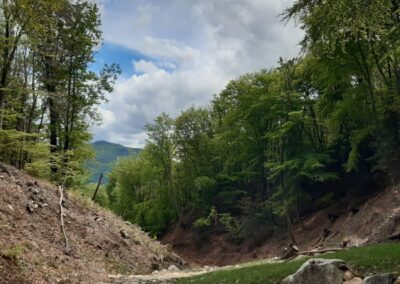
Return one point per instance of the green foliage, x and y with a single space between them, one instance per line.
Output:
14 253
48 96
138 192
273 141
230 223
202 223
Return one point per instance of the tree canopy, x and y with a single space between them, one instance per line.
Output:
48 95
274 142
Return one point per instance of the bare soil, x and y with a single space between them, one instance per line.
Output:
32 247
351 222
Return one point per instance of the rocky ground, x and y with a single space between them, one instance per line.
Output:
33 248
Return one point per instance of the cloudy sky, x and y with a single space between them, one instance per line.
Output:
179 53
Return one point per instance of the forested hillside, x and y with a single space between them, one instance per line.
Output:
48 95
277 144
303 153
106 154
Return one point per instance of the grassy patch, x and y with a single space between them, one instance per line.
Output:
364 260
117 266
14 253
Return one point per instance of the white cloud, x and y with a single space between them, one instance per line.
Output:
143 66
169 49
201 44
107 118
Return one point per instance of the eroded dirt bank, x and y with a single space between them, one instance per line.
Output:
32 248
370 221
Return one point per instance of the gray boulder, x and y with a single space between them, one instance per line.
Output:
386 278
317 271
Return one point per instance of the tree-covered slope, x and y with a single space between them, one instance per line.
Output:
106 154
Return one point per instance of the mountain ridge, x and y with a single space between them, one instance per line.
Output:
106 154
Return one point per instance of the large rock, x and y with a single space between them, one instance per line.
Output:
386 278
317 271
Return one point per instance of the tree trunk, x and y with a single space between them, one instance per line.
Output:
53 129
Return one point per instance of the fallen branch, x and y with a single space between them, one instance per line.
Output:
324 234
293 254
290 253
309 252
394 236
60 189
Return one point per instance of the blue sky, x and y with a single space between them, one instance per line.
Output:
179 53
124 57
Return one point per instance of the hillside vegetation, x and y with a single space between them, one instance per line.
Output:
287 155
49 97
107 154
277 145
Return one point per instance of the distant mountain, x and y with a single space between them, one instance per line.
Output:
106 154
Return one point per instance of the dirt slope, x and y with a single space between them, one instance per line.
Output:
32 248
369 221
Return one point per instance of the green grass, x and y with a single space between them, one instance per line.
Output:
13 253
363 260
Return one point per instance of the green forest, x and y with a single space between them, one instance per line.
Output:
48 95
277 144
268 149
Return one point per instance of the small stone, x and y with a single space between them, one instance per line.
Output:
128 223
9 206
98 219
348 275
173 268
34 190
386 278
355 280
71 251
30 207
124 234
64 204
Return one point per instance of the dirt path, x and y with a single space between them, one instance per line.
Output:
160 276
173 273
